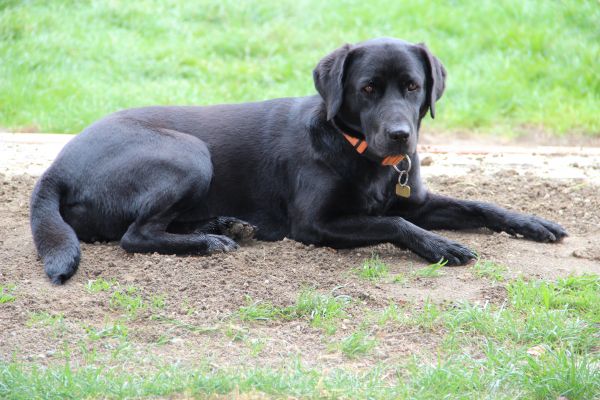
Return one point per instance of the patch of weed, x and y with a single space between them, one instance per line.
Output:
323 310
258 311
428 318
391 313
557 314
256 346
184 325
162 340
236 333
400 278
187 307
432 270
561 374
43 318
115 330
7 293
576 294
490 270
372 269
357 344
100 285
127 299
158 301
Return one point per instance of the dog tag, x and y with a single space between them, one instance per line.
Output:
402 190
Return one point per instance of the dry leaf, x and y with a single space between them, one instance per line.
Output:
537 351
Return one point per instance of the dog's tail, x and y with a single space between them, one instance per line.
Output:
54 239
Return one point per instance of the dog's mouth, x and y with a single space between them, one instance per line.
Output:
386 148
376 146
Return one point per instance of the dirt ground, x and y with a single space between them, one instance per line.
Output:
560 184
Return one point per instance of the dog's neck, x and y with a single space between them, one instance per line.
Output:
347 128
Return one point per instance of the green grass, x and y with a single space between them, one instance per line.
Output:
357 344
256 346
322 310
372 269
127 299
572 295
501 375
391 313
432 270
100 285
510 62
483 351
158 301
490 270
43 318
7 293
116 330
428 318
259 311
184 325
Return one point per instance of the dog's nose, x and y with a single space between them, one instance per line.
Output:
399 132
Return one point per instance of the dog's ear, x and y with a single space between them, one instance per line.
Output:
436 79
329 76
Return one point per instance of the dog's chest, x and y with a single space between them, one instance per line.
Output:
377 194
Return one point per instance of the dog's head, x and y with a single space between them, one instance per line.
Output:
381 88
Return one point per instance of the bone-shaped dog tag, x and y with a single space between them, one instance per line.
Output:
402 190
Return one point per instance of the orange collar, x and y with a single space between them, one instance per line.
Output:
361 146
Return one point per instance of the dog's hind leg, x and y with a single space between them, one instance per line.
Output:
149 233
151 236
179 194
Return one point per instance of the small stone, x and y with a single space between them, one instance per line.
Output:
427 161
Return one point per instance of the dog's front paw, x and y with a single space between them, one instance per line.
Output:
434 248
535 228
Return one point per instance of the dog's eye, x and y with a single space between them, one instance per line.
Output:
369 88
412 87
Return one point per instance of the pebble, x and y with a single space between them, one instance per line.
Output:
427 161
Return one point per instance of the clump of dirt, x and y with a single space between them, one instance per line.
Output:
202 293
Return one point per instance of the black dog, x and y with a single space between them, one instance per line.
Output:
318 169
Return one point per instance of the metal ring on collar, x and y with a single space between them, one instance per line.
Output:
403 176
407 169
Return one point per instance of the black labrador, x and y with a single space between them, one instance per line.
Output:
337 169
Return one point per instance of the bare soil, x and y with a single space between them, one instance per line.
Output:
206 292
